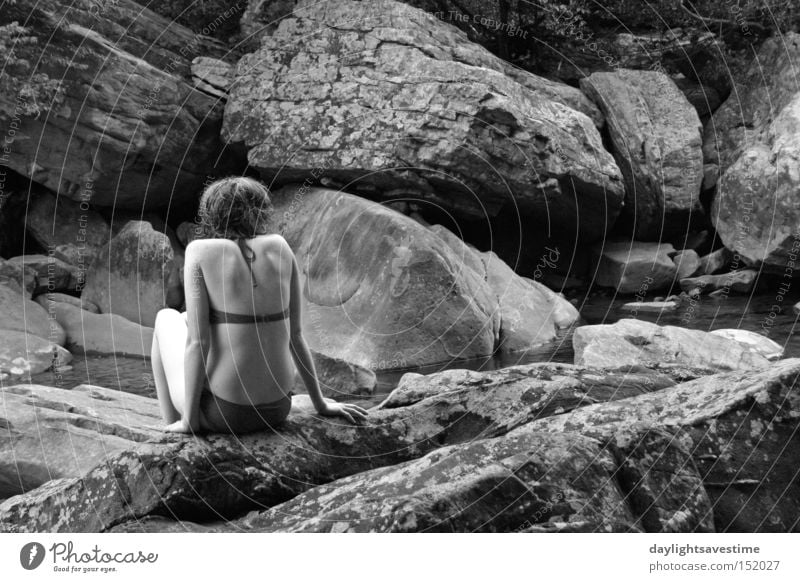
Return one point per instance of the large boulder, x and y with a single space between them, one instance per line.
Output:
383 291
754 140
103 108
18 277
19 313
51 433
181 477
135 275
656 139
25 354
632 342
386 99
72 231
740 430
634 267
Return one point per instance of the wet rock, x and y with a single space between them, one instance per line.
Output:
19 313
740 430
54 433
753 138
656 140
181 477
45 299
102 333
634 267
135 275
25 354
742 281
70 230
763 345
147 143
404 102
52 274
631 342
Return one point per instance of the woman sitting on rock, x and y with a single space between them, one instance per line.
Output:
226 364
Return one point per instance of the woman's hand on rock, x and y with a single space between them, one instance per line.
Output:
351 412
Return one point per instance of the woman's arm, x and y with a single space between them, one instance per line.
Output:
198 337
303 359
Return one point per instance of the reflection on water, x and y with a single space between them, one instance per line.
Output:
757 314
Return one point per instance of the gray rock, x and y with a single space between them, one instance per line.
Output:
149 143
713 263
25 354
45 299
52 274
763 345
58 433
19 313
135 275
102 333
656 139
212 76
404 102
754 140
740 430
70 230
180 476
339 378
687 263
634 267
650 306
742 281
187 232
631 342
17 277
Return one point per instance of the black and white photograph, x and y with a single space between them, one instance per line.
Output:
445 267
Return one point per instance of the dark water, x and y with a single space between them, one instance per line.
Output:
758 314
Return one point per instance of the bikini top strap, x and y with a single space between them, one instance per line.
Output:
249 256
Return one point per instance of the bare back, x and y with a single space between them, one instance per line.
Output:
248 363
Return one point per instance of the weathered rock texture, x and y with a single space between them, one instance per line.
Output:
25 354
107 90
135 275
754 140
634 267
50 433
384 98
69 230
19 313
384 292
631 342
656 137
205 478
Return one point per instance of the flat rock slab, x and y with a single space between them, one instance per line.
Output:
740 429
631 342
50 433
741 282
205 478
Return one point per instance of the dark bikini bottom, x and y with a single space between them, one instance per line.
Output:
228 417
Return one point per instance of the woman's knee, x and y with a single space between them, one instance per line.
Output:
167 316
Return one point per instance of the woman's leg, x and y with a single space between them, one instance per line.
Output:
169 345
